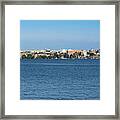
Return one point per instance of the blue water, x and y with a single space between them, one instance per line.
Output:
53 79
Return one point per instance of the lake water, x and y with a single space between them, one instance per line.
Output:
55 79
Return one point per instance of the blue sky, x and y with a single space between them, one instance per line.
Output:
59 34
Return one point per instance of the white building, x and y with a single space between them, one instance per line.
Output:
85 53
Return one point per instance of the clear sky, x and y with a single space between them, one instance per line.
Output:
59 34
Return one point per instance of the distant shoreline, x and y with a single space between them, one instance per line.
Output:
60 59
60 54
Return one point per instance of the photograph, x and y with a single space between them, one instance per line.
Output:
59 59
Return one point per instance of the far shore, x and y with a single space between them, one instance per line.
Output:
60 54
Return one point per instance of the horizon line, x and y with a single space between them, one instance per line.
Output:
62 49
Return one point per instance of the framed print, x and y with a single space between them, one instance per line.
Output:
60 59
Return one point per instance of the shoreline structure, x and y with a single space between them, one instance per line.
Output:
60 54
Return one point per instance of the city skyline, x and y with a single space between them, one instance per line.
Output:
59 34
57 49
60 54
